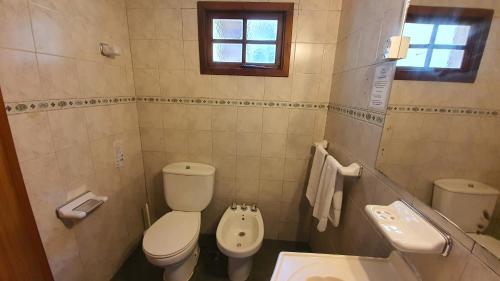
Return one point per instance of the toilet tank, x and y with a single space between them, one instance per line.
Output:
188 186
465 202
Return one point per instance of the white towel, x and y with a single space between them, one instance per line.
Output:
337 201
327 190
316 167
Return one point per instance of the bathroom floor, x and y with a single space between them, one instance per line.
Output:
212 263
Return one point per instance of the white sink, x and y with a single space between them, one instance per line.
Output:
320 267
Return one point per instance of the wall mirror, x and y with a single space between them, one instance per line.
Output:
441 138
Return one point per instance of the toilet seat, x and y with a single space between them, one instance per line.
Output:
172 238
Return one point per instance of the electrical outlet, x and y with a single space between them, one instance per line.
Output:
119 155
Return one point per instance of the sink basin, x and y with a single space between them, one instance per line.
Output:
321 267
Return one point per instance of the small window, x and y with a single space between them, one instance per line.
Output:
245 38
446 44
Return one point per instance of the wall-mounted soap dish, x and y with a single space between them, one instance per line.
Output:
81 206
408 230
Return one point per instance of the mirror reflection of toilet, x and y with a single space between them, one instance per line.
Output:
172 241
470 205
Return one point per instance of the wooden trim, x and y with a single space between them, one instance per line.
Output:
282 11
22 257
478 19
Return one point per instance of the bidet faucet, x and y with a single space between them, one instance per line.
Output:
244 206
234 206
254 207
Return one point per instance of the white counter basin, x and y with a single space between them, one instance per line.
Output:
320 267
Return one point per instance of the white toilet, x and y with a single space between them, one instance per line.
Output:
172 241
477 202
239 236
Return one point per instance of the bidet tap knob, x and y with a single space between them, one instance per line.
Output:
254 208
244 206
234 206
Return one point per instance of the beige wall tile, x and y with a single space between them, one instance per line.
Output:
200 143
224 118
141 23
277 89
224 143
249 119
224 86
170 54
272 168
301 122
273 145
68 127
152 139
189 24
168 24
15 26
59 77
16 65
199 117
191 55
298 146
147 82
150 115
305 87
275 120
308 58
249 144
176 141
172 83
145 53
99 122
250 87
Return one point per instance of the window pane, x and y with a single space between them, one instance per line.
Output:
225 52
420 33
447 58
262 29
261 53
227 29
415 58
452 34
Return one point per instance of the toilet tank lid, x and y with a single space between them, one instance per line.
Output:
189 169
466 187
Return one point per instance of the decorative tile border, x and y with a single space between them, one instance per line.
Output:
232 102
480 112
370 116
58 104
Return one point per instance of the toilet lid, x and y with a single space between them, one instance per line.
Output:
172 233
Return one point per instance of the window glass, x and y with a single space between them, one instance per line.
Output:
443 58
418 32
261 53
227 52
262 29
415 58
452 34
227 29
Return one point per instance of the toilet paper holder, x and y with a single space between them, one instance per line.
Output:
81 206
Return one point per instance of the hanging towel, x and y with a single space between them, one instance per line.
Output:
334 216
325 195
316 167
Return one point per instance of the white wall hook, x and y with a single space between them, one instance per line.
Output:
109 51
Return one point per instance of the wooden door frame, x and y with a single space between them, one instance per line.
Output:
22 257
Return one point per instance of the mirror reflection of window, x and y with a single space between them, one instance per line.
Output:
446 44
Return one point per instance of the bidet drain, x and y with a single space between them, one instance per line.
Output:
238 245
241 234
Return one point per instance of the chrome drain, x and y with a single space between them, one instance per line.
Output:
241 234
238 245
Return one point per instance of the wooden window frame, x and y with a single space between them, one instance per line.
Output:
245 10
480 22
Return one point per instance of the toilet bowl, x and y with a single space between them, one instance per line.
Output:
172 241
239 236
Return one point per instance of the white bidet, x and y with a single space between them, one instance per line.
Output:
239 236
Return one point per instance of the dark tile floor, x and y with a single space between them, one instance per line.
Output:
212 263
